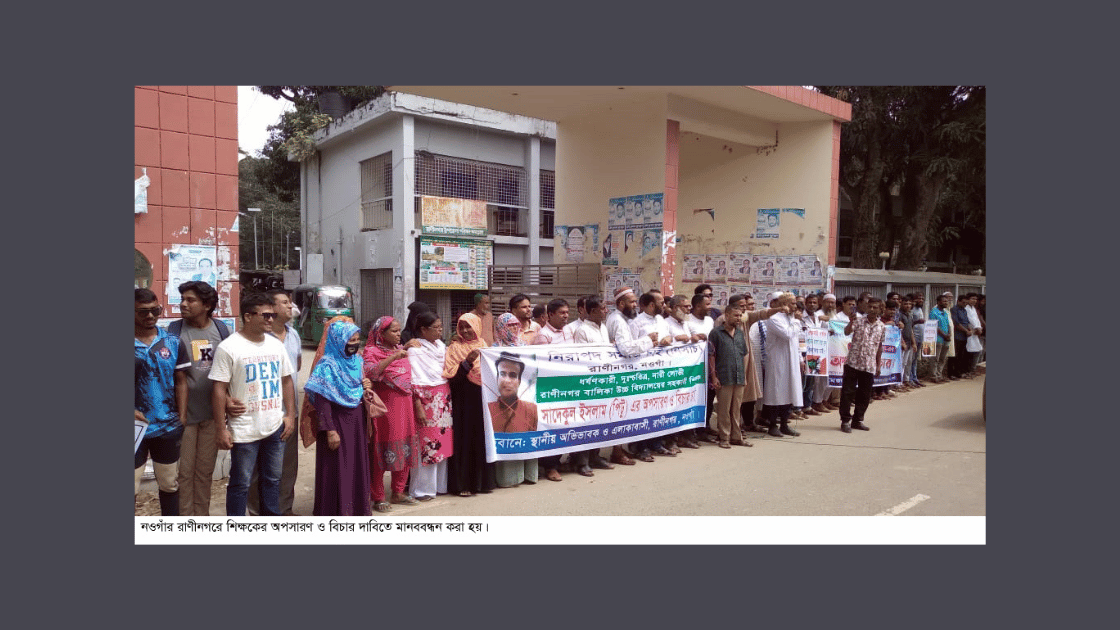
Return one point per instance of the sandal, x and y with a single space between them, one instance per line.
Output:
465 493
382 506
426 497
402 499
553 475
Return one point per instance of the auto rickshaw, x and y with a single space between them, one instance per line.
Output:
317 304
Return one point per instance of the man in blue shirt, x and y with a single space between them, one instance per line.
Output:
160 391
941 314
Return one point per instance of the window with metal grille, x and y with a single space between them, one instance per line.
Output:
377 192
548 203
501 186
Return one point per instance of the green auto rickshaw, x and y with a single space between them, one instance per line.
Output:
317 304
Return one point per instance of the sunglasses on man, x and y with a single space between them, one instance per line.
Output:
267 316
154 311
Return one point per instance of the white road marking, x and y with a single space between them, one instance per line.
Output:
905 505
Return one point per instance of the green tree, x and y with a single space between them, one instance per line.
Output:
929 142
271 182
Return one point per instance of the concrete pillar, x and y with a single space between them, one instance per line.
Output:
533 170
404 221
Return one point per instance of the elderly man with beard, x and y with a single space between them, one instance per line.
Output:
822 397
682 333
649 320
782 387
622 336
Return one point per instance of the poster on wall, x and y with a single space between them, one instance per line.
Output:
788 270
740 267
637 211
716 269
454 264
762 270
192 262
610 247
692 269
812 274
741 289
769 223
720 294
445 216
651 240
574 244
628 240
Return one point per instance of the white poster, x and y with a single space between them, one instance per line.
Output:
192 262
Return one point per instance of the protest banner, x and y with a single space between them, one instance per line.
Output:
816 351
890 363
548 400
838 344
929 338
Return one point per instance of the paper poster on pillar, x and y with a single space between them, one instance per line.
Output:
651 241
190 262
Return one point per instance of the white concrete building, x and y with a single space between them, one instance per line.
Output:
384 157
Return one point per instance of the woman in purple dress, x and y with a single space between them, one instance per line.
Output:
335 391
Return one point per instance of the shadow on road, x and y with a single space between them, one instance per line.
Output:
971 422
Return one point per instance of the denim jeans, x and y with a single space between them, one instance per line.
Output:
267 457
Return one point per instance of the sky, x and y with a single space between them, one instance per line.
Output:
255 112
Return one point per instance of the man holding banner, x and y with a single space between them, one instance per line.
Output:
621 335
862 364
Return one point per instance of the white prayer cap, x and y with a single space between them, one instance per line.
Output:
828 296
621 291
774 295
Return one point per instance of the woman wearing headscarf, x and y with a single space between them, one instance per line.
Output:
414 310
467 470
394 446
433 399
335 391
510 473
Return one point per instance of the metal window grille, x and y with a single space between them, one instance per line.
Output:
377 192
548 203
377 295
503 188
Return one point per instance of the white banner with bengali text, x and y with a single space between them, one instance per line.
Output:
548 400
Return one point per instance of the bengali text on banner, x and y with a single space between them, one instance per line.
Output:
548 400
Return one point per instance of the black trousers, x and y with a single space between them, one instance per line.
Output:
551 462
961 364
746 412
775 414
856 386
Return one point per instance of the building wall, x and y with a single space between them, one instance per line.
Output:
332 198
617 152
737 180
186 137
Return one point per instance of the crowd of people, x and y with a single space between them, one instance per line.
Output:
409 403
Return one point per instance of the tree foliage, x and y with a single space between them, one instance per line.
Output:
271 181
929 144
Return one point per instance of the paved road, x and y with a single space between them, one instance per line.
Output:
927 443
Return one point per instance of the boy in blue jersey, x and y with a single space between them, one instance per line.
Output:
160 391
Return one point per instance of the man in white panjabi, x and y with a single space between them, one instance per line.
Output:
782 387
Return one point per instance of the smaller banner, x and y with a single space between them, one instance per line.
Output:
890 363
454 264
838 344
929 338
816 351
548 400
444 216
